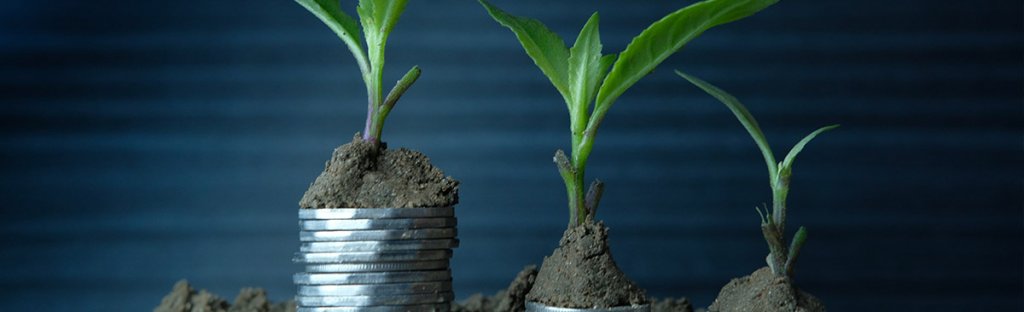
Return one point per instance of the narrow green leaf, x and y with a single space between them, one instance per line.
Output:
760 214
565 168
329 11
744 117
794 249
787 163
584 68
606 63
400 87
663 38
546 48
377 126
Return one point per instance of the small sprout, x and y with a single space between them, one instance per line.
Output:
590 83
378 18
773 223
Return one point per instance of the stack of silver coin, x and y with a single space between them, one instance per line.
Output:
375 259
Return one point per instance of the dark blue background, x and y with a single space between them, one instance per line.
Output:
144 142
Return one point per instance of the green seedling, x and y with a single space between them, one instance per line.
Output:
590 82
773 223
378 18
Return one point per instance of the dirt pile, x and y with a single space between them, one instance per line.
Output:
367 175
671 305
183 298
763 291
511 299
581 273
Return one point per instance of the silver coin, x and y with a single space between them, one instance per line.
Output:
303 278
378 266
375 235
376 224
372 256
362 301
376 213
433 307
539 307
376 289
426 244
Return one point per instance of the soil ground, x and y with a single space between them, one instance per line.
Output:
183 298
671 305
581 273
367 175
763 291
511 299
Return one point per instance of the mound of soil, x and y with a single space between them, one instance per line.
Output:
762 291
368 175
671 305
183 298
511 299
581 273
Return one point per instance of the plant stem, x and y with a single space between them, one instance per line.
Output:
780 259
776 248
582 143
568 173
371 132
779 191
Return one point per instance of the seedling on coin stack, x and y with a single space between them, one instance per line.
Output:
377 226
581 272
762 291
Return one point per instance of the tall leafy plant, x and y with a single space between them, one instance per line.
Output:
773 223
590 82
377 18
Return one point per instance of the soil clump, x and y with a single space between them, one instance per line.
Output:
368 175
581 273
511 299
183 298
671 305
763 291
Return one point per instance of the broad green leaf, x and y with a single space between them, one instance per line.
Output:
744 117
378 18
663 38
584 68
787 163
382 14
546 48
329 11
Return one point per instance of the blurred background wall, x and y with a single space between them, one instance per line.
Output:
144 142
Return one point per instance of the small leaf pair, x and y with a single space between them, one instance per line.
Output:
582 75
773 223
378 19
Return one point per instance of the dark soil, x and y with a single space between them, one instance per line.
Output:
671 305
183 298
511 299
762 291
581 273
368 175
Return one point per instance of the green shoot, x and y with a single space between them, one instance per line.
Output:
590 83
378 18
773 223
